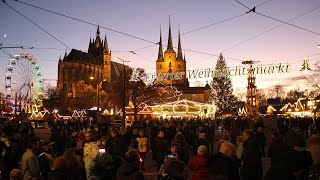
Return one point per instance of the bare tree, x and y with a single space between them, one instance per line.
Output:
314 79
279 91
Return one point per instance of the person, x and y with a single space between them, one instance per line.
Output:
251 158
198 164
239 151
46 159
314 148
278 152
201 141
301 160
172 154
261 140
234 132
160 147
107 164
29 161
183 146
90 153
67 166
129 169
174 170
16 174
142 146
223 165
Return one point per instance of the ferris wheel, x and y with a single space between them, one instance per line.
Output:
24 83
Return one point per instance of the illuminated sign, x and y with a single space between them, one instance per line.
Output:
139 74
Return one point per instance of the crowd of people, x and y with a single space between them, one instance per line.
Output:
181 149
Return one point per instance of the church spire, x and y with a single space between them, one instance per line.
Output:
179 56
106 48
65 55
160 53
170 46
98 31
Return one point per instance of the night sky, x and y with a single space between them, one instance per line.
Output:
207 28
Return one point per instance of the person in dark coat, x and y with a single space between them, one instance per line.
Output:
174 170
201 141
160 147
301 160
129 169
278 152
223 165
252 164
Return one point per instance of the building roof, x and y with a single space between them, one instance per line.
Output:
79 56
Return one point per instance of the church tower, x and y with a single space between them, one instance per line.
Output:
170 62
106 62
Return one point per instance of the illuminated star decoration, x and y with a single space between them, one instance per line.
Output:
305 65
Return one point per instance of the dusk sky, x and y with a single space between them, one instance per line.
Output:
143 18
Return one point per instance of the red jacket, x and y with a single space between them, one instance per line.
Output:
198 166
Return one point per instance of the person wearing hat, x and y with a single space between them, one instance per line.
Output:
198 164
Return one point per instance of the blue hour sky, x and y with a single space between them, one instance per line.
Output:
208 28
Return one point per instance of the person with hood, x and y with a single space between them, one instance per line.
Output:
129 169
198 164
183 146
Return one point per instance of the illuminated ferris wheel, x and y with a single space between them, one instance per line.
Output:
24 83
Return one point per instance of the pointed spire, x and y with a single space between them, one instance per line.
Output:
60 57
106 48
65 55
98 31
184 56
170 46
160 53
90 40
179 56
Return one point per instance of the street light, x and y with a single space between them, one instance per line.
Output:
98 98
124 92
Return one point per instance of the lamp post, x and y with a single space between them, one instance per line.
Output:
98 95
123 93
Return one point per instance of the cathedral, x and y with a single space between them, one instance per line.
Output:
92 67
170 62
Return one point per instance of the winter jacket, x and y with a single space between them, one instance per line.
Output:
160 148
30 165
199 168
314 148
220 165
129 171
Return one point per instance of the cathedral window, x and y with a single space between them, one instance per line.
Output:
160 67
179 66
